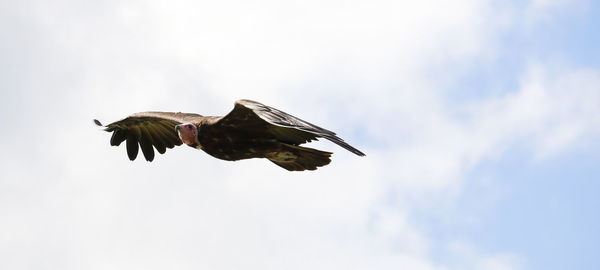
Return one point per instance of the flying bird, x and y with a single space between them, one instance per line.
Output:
250 130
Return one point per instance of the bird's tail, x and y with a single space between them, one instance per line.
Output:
298 158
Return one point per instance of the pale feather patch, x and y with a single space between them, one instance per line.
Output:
281 156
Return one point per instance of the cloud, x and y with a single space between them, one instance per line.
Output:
544 4
543 11
462 251
375 72
553 109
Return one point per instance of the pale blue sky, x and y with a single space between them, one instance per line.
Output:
480 121
548 210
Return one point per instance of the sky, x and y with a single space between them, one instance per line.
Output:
480 121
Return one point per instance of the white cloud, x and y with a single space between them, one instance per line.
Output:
462 251
553 109
499 263
539 12
542 4
72 202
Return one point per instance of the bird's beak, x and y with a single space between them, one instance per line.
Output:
177 128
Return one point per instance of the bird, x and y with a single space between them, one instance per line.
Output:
250 130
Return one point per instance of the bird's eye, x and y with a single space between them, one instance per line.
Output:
189 126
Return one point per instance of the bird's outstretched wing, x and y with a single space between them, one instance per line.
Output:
147 129
284 127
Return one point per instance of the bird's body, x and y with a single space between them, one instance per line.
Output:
250 130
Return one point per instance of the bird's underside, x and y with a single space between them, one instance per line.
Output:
250 130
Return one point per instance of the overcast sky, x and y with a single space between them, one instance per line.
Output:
480 121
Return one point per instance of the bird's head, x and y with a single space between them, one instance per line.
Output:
188 134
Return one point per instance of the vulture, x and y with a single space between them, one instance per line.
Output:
250 130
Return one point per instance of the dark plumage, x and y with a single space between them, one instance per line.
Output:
250 130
